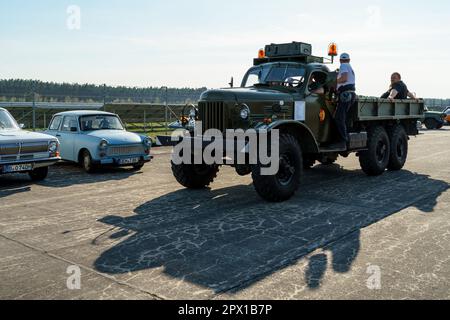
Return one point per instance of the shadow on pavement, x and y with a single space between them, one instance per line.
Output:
63 174
229 239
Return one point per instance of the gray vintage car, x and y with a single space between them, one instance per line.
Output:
25 152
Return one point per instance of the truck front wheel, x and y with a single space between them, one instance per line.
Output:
399 148
375 159
194 176
285 183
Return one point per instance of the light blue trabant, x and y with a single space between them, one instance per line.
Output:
25 152
95 138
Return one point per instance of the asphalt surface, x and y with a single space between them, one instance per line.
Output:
142 236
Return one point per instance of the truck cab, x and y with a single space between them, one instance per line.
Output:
25 152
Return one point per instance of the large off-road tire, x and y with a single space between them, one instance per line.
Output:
39 174
193 176
375 159
431 124
399 148
285 183
86 162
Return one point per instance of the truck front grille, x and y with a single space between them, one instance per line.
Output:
125 150
212 115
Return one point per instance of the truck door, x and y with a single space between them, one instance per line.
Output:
316 105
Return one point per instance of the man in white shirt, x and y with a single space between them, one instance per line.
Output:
347 95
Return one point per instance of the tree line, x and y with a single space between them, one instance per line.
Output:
40 91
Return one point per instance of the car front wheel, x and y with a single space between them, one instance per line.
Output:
138 166
86 162
39 174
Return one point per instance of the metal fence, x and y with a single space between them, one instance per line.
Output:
138 117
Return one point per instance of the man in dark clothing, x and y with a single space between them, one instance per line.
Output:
398 89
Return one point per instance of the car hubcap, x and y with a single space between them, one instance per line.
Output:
87 162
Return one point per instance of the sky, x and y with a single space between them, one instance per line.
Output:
203 43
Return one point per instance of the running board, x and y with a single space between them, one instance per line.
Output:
358 141
332 150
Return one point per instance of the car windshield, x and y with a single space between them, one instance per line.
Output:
7 122
100 122
275 75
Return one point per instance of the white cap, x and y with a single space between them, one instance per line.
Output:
345 56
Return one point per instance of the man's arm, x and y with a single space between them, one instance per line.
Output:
393 94
412 95
343 78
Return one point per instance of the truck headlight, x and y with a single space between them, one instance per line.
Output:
103 144
53 147
245 112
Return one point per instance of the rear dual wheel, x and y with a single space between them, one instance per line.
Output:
385 151
399 148
375 159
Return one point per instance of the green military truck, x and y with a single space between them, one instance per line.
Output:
293 91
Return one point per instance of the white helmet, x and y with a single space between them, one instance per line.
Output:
345 56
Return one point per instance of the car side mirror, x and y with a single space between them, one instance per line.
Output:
73 129
21 126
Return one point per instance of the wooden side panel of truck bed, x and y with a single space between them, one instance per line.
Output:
371 109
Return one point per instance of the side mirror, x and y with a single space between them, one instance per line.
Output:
21 126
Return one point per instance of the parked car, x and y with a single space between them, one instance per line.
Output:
95 138
25 152
434 119
447 115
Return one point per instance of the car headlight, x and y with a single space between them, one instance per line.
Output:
53 147
148 142
245 112
193 113
103 144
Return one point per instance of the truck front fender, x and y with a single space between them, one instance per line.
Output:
300 131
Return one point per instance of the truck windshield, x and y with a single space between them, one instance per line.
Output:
100 122
7 122
275 75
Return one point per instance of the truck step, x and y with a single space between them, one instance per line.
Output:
332 149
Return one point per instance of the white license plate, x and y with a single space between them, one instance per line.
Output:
128 161
18 168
